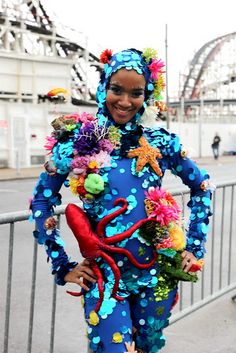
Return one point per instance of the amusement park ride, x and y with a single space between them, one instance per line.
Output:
43 51
39 54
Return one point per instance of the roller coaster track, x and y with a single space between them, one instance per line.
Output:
200 63
33 20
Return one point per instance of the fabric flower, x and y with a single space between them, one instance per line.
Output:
156 67
50 142
165 208
105 56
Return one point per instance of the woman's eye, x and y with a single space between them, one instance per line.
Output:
138 93
115 89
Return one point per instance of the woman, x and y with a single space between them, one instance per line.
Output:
116 166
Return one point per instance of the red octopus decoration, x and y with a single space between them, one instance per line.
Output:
94 245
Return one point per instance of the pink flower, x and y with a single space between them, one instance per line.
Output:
80 163
165 208
102 158
50 142
85 117
156 67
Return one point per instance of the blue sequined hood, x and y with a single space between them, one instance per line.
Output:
130 59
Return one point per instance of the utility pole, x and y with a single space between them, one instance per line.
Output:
167 94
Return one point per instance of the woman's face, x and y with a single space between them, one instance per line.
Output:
125 95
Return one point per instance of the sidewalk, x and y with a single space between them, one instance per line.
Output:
33 172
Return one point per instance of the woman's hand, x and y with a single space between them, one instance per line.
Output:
81 272
188 259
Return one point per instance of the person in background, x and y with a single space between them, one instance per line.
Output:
216 145
129 230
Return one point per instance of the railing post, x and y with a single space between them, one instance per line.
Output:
8 292
32 297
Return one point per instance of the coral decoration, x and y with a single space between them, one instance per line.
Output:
146 155
105 56
94 245
50 142
86 147
168 238
161 106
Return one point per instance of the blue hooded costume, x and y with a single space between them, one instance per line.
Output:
147 302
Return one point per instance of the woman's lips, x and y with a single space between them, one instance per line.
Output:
122 112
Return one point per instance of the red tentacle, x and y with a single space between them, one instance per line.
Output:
126 234
101 225
131 258
97 273
114 269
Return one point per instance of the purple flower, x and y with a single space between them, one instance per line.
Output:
105 145
86 141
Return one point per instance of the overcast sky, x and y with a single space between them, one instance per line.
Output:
123 24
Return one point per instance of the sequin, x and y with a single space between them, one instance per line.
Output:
179 168
150 320
114 192
47 192
141 322
96 339
122 170
54 254
191 176
117 337
144 303
38 214
134 191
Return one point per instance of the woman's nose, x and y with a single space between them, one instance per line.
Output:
124 100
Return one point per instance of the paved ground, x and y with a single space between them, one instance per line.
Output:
33 172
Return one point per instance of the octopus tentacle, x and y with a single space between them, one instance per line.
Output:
131 258
126 234
100 230
97 273
115 270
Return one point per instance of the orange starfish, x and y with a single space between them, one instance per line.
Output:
146 155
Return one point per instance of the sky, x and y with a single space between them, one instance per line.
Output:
184 25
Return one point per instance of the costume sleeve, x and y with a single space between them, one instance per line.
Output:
45 198
200 194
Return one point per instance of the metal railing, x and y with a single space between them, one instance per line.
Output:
28 317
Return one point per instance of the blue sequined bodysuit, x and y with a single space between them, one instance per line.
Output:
145 306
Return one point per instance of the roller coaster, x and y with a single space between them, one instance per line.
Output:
210 80
30 28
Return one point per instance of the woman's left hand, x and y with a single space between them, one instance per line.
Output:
188 259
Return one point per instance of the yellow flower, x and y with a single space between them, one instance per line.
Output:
117 337
93 164
74 183
93 318
177 237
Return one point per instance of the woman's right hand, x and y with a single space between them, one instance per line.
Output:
80 273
